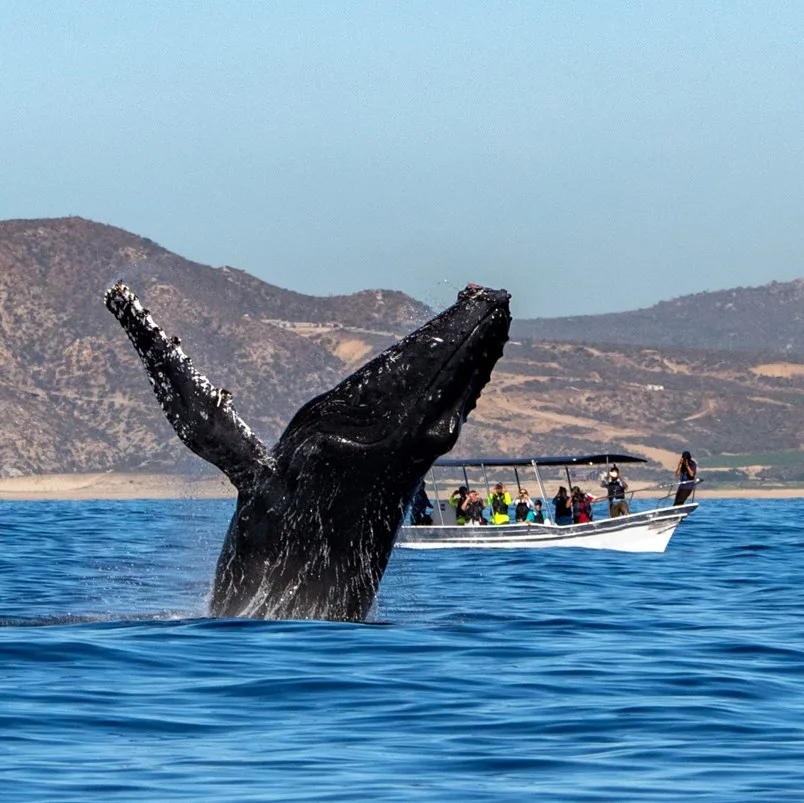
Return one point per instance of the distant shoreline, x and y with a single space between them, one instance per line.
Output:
103 485
99 486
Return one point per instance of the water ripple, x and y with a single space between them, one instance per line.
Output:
565 675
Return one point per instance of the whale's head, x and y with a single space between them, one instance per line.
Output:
408 404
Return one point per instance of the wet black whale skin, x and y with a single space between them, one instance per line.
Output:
317 515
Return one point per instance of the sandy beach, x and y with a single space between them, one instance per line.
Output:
114 486
172 486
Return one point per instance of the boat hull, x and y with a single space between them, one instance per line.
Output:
646 531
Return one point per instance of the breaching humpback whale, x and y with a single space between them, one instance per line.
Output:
317 515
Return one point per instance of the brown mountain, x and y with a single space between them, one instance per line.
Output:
766 319
730 409
74 397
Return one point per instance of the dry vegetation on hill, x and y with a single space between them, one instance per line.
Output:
73 396
558 398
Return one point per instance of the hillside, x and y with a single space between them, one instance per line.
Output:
559 398
74 397
767 319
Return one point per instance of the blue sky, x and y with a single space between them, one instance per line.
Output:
589 157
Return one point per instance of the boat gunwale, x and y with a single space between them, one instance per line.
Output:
522 535
668 511
526 528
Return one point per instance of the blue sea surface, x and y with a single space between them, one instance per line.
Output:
486 675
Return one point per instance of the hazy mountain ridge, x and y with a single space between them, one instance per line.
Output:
767 319
74 396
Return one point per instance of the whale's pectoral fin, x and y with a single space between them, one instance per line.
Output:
201 414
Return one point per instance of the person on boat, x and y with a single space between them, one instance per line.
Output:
581 506
499 501
524 506
421 506
456 499
538 516
616 487
686 471
563 506
472 508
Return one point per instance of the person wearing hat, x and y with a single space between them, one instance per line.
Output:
499 501
456 499
538 516
616 487
686 471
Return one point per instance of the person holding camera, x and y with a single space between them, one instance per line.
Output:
686 471
499 502
472 508
456 499
581 506
616 487
524 507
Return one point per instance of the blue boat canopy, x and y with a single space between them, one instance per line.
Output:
564 460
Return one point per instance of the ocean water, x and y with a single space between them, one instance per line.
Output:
511 675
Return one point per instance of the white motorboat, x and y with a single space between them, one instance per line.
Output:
644 530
